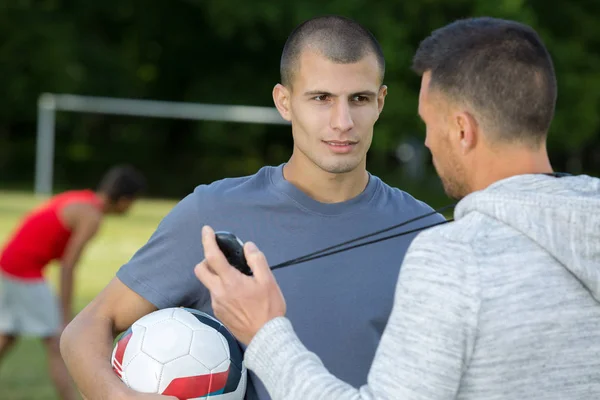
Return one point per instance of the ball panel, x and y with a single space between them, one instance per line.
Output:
235 388
128 345
235 352
143 373
206 319
224 343
187 317
118 352
202 314
167 340
154 317
208 348
196 382
236 382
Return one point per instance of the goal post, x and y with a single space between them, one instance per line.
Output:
49 104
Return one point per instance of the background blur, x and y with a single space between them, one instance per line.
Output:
227 52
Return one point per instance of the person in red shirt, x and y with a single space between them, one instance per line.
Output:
58 229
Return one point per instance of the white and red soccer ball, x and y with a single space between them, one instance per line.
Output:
182 353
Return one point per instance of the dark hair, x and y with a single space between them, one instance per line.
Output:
499 67
340 39
122 181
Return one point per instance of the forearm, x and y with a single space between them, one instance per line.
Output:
289 371
408 365
66 292
86 347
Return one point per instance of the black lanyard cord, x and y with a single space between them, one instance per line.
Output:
326 251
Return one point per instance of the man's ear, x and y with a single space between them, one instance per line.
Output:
281 98
383 90
467 130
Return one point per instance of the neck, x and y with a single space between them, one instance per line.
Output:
105 203
502 163
323 186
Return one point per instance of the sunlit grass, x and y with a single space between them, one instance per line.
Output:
23 373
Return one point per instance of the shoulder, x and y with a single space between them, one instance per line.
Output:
235 189
81 213
444 239
461 242
239 184
466 231
402 202
442 256
208 198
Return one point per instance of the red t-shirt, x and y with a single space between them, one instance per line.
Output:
42 236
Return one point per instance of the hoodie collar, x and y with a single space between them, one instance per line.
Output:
561 215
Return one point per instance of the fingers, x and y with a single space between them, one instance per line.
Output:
213 254
216 266
207 276
257 262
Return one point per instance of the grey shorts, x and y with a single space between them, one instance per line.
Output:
28 308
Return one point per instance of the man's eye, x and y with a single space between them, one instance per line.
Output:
360 99
322 97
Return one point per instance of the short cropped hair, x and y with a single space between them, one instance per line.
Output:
500 67
122 181
339 39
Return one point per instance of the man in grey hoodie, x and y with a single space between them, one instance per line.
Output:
503 303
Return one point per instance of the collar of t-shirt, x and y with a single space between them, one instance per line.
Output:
314 206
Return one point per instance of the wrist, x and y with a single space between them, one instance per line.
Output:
256 329
265 331
270 350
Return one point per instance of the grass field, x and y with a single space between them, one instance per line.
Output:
23 374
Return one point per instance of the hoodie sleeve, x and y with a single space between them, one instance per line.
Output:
424 349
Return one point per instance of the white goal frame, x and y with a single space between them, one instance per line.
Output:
50 103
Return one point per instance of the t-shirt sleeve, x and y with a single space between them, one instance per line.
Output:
162 271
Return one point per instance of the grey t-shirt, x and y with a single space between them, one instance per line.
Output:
338 304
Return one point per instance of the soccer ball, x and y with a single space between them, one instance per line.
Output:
182 353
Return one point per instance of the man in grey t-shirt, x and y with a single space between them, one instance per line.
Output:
332 72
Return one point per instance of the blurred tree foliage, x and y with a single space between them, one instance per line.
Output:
227 52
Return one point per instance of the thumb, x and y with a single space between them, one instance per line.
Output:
257 262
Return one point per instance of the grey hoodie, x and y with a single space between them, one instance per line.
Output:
503 303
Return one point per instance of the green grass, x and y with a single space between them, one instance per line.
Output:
23 373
